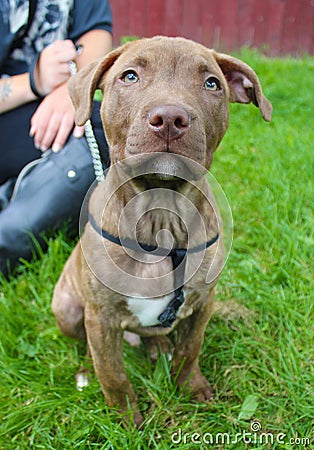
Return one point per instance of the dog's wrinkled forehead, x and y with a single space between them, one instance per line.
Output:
165 56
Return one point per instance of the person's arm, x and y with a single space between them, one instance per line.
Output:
53 120
90 51
15 91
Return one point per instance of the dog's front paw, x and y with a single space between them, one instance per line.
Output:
203 393
132 417
138 419
199 388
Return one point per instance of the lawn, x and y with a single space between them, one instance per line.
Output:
258 352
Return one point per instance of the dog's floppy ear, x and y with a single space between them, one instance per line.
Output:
82 86
243 83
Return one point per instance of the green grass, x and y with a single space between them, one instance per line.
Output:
258 351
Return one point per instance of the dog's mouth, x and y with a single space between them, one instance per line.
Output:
159 180
160 170
163 170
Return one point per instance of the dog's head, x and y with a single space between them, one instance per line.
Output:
166 96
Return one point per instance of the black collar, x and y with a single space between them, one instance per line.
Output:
178 257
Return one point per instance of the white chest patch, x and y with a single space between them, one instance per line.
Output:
147 310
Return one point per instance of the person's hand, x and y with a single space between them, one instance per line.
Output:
53 121
52 68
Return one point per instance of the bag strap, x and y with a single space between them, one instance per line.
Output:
18 41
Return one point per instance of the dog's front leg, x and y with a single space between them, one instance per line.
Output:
185 366
105 340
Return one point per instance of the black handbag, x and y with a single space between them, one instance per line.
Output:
47 192
50 193
6 191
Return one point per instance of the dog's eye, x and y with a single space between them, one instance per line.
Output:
212 84
130 76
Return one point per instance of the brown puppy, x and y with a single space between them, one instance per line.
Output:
164 111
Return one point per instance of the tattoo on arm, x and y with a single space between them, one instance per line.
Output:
5 88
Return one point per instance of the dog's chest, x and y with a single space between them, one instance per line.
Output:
147 310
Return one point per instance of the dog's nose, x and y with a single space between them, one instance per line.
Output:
169 122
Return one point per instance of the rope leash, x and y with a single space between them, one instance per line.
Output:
91 141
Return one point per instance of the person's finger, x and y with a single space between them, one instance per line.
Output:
38 130
65 51
78 132
64 130
50 133
66 55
